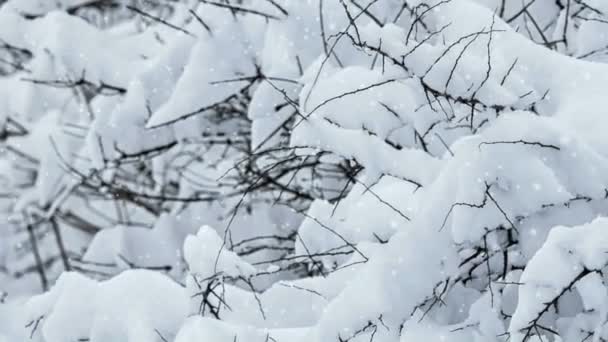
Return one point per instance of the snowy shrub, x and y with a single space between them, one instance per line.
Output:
303 170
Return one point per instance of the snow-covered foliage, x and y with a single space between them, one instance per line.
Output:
303 170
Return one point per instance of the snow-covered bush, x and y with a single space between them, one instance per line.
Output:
303 170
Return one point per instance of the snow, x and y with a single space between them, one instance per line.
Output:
97 310
579 252
314 170
206 256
